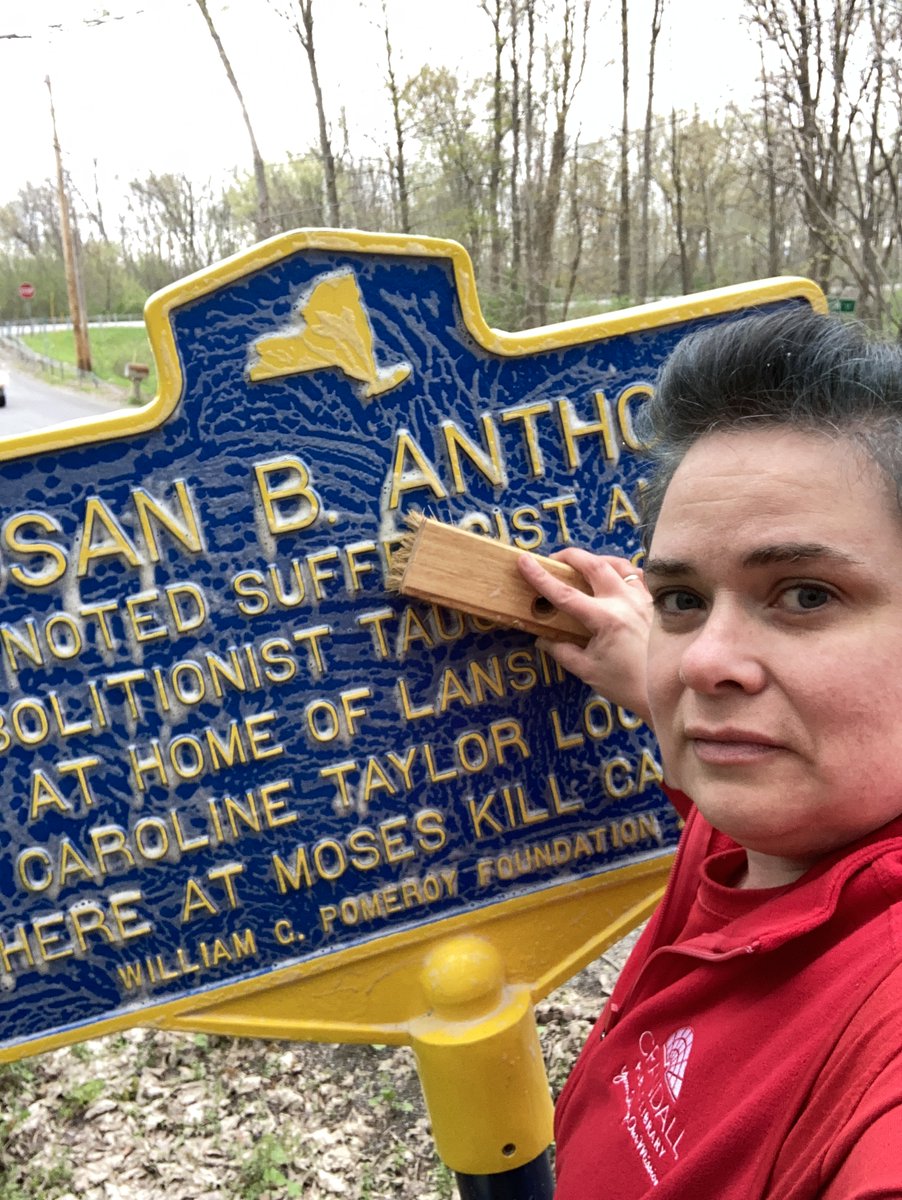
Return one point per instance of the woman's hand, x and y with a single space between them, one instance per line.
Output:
618 616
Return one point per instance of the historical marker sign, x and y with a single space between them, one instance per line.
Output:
226 752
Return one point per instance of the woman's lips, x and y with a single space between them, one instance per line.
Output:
732 750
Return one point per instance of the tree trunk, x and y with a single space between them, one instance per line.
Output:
577 234
516 213
264 218
679 224
563 87
646 151
529 168
774 255
304 31
400 164
624 263
494 15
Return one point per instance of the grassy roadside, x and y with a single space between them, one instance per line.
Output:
111 349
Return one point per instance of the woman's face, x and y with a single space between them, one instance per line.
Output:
775 658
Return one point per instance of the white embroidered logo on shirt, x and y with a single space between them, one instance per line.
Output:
677 1049
650 1091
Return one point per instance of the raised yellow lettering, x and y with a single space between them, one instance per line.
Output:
113 541
44 795
527 413
293 485
620 509
54 565
418 472
487 459
624 415
574 429
186 531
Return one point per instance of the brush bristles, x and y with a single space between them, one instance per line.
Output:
400 558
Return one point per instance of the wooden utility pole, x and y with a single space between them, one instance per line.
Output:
70 259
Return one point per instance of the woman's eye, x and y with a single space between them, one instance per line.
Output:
805 597
677 602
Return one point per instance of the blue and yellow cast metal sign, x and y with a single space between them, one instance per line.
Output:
230 761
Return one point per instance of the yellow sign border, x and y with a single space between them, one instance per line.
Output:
594 912
91 430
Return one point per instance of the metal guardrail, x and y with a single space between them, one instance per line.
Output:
52 367
35 323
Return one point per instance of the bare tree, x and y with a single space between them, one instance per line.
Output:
676 200
576 235
299 15
516 130
808 180
564 68
493 10
870 200
655 29
624 258
705 184
31 222
264 219
182 223
398 163
812 43
531 162
770 175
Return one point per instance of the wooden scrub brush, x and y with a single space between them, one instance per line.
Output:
478 575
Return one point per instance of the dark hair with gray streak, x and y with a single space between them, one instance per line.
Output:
793 368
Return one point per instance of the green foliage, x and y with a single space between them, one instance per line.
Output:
444 1182
111 348
35 1182
14 1078
295 193
46 273
262 1171
81 1097
389 1097
14 1074
109 287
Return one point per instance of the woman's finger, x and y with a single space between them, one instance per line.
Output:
598 569
617 616
606 578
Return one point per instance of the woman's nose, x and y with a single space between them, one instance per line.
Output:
726 652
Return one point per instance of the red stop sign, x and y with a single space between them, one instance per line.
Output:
26 291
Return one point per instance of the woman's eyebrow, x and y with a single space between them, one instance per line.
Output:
667 568
791 552
778 552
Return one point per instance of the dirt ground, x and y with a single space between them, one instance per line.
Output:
147 1115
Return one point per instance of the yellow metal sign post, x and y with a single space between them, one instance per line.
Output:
249 791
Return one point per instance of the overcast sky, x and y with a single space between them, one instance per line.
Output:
144 89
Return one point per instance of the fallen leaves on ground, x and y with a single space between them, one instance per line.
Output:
149 1115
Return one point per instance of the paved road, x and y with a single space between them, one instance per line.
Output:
32 404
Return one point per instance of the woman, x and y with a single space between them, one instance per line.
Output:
753 1045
